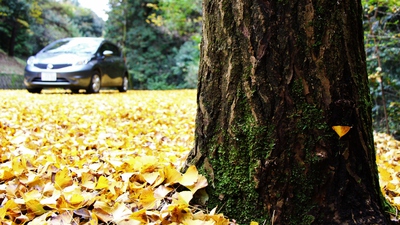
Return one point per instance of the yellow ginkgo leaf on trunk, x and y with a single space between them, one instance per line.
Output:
341 130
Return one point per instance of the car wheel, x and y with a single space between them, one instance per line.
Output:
34 90
124 86
95 84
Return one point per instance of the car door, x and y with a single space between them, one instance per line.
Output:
106 64
118 65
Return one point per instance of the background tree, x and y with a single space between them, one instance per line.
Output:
382 44
61 20
275 77
116 25
14 15
183 18
29 25
160 54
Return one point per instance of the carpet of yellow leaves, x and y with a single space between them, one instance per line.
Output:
113 158
388 160
109 158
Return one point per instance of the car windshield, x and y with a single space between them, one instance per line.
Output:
80 45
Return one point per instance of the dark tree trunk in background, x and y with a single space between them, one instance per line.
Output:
275 76
11 45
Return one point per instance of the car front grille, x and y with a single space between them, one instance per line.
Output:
55 66
38 79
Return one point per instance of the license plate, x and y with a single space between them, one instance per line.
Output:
49 76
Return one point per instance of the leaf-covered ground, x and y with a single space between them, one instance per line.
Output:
388 160
112 158
94 159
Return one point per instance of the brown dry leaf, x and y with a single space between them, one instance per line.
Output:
63 218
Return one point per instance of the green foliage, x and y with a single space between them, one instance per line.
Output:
32 24
382 45
157 56
187 63
13 16
181 16
64 19
115 27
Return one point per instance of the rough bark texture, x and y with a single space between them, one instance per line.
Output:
275 75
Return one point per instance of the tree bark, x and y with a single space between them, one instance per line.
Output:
275 76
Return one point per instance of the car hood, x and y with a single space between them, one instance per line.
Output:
62 58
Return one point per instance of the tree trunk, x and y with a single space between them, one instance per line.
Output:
11 45
275 76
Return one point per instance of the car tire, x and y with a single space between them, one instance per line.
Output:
95 84
34 90
124 86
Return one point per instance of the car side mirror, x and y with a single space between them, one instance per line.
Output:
108 53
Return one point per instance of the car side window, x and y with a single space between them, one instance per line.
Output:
115 50
110 47
101 50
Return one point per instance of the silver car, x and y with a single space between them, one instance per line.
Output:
77 63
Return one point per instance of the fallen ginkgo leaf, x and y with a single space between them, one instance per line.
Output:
341 130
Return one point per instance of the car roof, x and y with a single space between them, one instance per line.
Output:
103 40
95 38
83 38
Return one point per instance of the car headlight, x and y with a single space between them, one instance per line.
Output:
31 60
82 62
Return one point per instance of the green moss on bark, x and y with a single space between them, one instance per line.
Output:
236 168
309 162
